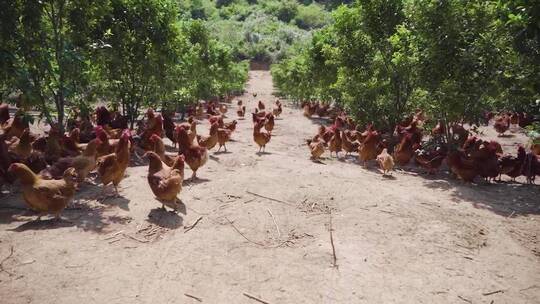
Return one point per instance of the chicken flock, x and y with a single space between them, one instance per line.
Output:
471 157
99 146
53 166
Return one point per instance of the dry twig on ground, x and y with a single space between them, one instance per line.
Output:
255 298
2 269
188 228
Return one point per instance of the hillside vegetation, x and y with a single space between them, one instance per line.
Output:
263 30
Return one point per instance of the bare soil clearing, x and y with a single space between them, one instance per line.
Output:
261 228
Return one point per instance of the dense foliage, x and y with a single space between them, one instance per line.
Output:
261 30
454 59
56 54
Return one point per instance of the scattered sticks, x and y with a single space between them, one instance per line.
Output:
255 298
270 198
112 236
492 292
188 228
334 261
193 297
274 219
134 238
464 299
245 237
2 269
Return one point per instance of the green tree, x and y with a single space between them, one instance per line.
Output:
459 56
45 47
141 35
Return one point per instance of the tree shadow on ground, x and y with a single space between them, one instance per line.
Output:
502 198
83 212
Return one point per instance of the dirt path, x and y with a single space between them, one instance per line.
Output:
410 239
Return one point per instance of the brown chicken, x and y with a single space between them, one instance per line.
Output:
261 138
231 126
368 149
224 135
75 135
462 166
195 156
83 164
413 130
524 119
216 119
386 161
352 135
430 160
535 148
15 126
159 149
326 134
69 147
241 112
316 147
439 129
531 167
239 103
165 181
514 119
277 111
260 105
111 167
87 130
404 151
335 143
459 133
53 150
45 196
258 117
21 147
347 145
191 128
501 124
106 146
322 110
211 140
154 125
269 124
309 109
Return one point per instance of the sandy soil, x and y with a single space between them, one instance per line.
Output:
408 239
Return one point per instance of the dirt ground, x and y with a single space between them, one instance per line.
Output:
411 238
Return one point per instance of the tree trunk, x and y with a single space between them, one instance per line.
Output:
60 109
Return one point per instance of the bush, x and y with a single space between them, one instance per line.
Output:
311 17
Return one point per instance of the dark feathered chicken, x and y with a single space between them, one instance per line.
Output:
119 121
511 165
4 113
430 160
169 127
103 116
